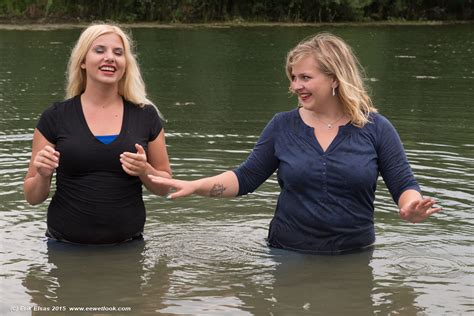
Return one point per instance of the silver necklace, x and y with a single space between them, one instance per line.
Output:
330 125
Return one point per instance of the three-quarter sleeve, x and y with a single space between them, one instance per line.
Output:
393 163
48 124
261 162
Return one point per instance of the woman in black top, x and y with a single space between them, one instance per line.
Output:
102 142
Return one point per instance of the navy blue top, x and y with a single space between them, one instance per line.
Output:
327 197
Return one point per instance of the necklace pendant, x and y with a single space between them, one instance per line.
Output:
329 126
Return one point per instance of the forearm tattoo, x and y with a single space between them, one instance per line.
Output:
217 190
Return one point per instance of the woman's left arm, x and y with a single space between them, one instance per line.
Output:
415 208
155 163
398 176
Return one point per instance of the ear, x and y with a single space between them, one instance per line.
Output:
83 66
335 83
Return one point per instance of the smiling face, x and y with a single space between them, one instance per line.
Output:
105 60
310 84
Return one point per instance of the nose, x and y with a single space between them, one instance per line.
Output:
296 85
109 57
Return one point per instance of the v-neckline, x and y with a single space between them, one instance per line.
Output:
82 117
342 130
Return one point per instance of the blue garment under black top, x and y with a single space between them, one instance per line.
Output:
106 139
326 204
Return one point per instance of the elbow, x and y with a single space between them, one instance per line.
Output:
33 201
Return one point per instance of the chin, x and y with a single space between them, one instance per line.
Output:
309 106
109 81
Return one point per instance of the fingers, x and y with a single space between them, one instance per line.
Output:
131 162
175 184
419 210
433 210
161 180
46 160
133 167
140 149
134 164
47 154
427 203
140 154
128 170
133 156
183 188
177 194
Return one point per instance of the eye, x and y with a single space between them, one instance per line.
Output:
306 78
293 78
99 49
118 52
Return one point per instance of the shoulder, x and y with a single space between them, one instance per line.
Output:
150 109
378 119
282 120
382 130
61 107
287 115
66 104
377 123
145 117
147 109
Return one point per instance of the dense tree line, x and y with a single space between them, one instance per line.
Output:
198 11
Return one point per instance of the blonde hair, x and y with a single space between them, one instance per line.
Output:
336 59
131 86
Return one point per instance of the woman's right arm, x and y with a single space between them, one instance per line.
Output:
44 160
258 167
222 185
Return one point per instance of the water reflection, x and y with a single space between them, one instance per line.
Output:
96 276
305 284
318 285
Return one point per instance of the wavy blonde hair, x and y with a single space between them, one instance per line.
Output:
336 59
131 86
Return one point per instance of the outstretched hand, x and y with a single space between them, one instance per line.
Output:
183 188
419 210
135 164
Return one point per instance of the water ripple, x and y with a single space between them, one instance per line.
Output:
427 265
210 243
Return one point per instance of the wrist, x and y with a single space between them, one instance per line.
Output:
199 187
44 178
147 170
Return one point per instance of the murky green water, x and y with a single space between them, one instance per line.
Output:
218 87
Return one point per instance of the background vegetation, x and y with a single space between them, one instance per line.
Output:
199 11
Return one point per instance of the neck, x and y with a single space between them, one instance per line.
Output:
327 113
101 96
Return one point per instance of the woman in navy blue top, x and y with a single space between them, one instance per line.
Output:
102 142
328 154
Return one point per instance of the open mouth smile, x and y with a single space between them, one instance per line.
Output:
108 68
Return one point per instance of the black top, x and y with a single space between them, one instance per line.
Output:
326 204
96 201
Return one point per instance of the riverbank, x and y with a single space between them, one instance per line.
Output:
41 26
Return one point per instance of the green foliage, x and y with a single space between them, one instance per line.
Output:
191 11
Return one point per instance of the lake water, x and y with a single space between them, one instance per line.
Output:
218 87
